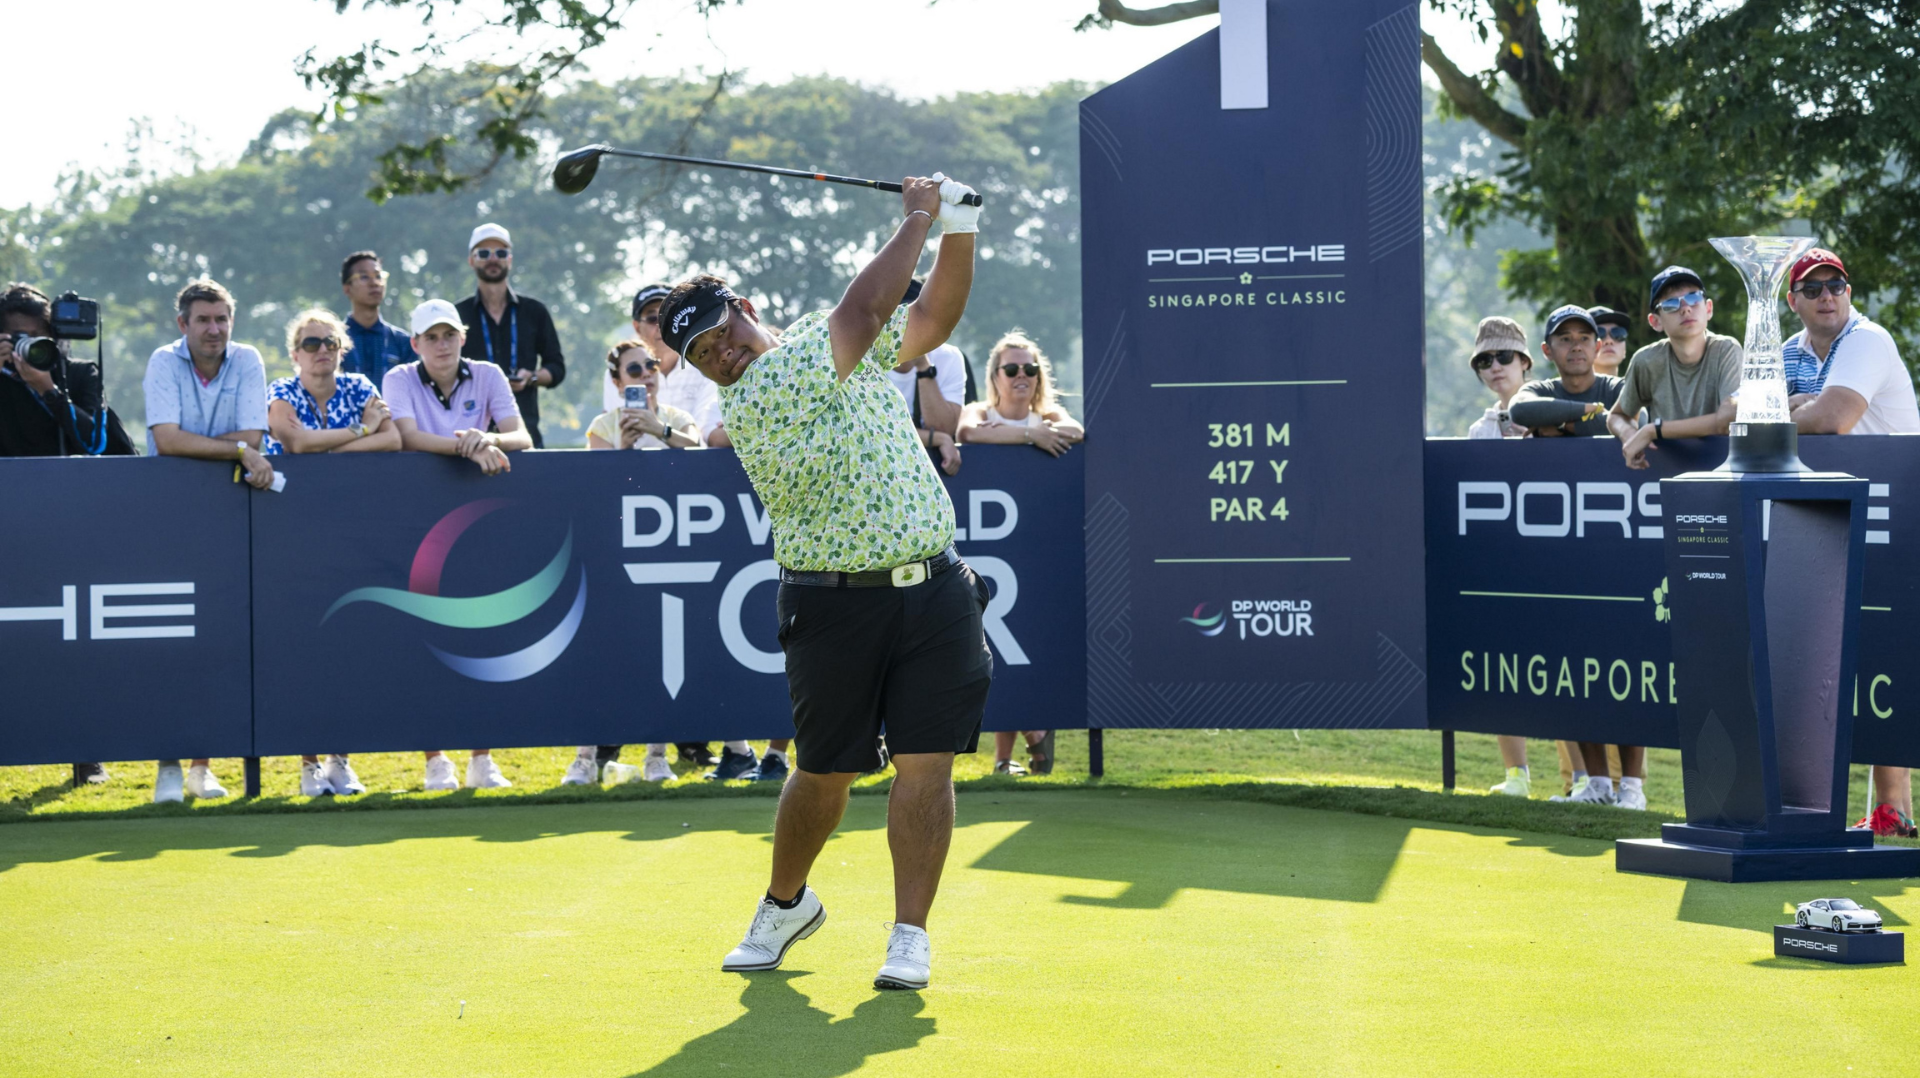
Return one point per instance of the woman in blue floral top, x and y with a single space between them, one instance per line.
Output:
321 409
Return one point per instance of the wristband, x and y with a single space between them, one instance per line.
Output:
922 213
1658 434
240 450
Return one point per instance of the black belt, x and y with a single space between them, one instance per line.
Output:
900 576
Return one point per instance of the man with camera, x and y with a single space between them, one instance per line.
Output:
49 406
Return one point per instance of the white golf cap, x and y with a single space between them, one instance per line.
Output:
489 231
436 312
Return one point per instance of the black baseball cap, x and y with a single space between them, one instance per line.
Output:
696 312
1562 315
1607 316
647 294
1666 277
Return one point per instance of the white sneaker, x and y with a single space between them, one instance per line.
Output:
484 774
440 773
313 781
340 776
168 785
201 783
774 930
1518 784
1571 794
616 773
579 772
657 769
1632 798
909 958
1590 793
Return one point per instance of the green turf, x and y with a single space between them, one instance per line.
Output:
1080 931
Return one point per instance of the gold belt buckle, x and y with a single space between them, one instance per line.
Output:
906 576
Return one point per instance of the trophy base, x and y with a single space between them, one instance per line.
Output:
1764 447
1656 857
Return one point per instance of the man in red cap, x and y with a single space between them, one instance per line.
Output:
1844 376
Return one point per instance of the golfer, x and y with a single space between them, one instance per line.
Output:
879 618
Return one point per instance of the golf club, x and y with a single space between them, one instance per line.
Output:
575 170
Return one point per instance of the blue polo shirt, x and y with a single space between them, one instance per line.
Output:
376 350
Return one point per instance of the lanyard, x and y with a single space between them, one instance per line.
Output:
513 336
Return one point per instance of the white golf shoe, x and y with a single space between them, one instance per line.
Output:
909 959
440 773
201 783
168 784
339 775
773 931
1631 797
579 772
1588 792
313 781
657 769
484 774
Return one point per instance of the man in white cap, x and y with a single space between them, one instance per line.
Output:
511 331
444 404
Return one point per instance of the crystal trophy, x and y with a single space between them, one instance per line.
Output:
1764 438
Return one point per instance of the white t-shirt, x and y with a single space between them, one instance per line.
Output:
684 388
951 376
1868 362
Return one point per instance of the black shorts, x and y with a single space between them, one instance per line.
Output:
912 662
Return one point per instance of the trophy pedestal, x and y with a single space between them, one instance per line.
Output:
1708 853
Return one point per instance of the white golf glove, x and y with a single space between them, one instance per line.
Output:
954 216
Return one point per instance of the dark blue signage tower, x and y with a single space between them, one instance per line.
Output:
1765 570
1251 270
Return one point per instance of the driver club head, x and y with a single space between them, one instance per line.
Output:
575 170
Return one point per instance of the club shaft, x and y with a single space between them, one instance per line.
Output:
824 177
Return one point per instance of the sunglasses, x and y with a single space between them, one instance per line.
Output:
1614 333
1835 286
649 319
635 370
1487 359
1672 304
484 253
314 344
1031 370
369 278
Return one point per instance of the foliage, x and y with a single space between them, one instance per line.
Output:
274 225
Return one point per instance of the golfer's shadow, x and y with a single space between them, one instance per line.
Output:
784 1033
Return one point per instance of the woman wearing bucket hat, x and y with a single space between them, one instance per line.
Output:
1501 360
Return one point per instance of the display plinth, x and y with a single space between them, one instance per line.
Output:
1764 576
1846 948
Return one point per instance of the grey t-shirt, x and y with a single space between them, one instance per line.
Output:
1669 389
1546 403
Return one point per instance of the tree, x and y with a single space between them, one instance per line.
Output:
274 226
1635 131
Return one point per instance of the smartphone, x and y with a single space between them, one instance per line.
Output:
636 397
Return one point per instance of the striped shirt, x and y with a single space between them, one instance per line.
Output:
1805 373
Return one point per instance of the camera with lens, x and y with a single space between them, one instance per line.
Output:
74 319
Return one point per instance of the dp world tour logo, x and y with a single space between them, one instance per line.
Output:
1212 626
422 599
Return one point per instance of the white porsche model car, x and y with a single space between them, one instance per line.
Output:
1836 915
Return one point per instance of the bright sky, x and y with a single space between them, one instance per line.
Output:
213 71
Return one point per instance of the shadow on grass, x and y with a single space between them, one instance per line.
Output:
1760 906
784 1032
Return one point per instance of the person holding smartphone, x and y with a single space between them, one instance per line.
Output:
642 421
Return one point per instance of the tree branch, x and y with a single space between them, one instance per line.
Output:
1470 96
1113 11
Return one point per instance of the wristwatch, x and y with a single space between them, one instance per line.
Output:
1658 434
930 372
359 430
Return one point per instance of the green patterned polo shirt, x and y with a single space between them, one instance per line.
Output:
838 465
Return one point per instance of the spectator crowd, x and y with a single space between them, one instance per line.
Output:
462 379
1844 376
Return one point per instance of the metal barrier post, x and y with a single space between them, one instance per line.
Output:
252 764
1446 760
1096 752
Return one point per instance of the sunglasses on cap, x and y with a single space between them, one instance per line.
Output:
314 344
637 368
1672 304
1487 359
1834 286
1031 370
492 252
